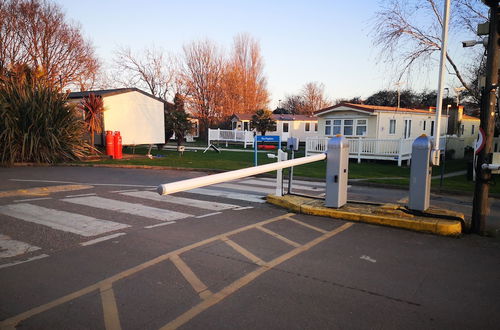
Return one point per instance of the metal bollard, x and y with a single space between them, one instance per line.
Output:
420 174
337 165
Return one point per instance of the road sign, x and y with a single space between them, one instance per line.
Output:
480 141
267 138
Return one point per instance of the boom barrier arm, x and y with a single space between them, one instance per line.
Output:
170 188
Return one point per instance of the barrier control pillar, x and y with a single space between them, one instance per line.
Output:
337 164
420 174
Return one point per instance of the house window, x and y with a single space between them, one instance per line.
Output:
361 127
472 130
245 125
407 132
392 126
285 127
315 127
348 125
337 127
308 127
423 125
462 129
328 127
432 128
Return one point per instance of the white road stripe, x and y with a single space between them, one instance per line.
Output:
101 239
243 208
93 184
301 182
70 222
130 208
81 195
32 199
11 248
243 188
273 184
41 256
207 215
160 224
214 206
227 194
124 190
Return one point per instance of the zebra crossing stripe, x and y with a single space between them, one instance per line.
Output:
301 182
61 220
273 184
11 248
213 206
227 194
242 187
130 208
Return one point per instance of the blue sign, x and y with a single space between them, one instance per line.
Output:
267 138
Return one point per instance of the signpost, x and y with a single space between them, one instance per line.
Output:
265 138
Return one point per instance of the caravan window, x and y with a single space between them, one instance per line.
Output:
348 125
392 126
328 127
337 127
361 127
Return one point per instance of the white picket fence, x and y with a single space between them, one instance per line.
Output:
246 137
395 149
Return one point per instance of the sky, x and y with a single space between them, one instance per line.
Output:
301 41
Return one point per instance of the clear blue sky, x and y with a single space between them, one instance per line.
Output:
301 41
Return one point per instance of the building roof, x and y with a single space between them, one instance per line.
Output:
282 117
467 117
110 92
371 108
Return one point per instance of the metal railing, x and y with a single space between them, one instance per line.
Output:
230 136
360 148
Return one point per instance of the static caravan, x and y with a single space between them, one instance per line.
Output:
139 116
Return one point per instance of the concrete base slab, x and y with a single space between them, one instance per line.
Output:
434 220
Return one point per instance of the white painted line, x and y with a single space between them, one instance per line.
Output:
32 199
10 247
301 182
207 215
41 256
91 184
227 194
101 239
244 188
160 224
48 181
273 184
243 208
214 206
124 190
70 222
81 195
130 208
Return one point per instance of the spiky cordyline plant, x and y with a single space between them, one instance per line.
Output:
37 124
93 107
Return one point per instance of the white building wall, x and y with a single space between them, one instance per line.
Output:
417 124
139 118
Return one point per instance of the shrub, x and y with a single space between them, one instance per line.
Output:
37 124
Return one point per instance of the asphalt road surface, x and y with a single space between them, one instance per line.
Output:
97 248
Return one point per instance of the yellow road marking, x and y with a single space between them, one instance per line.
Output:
109 308
13 321
308 225
43 191
278 236
238 284
198 286
249 255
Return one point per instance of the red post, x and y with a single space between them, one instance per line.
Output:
110 146
118 145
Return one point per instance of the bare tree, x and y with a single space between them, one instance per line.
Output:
409 31
245 86
37 33
152 70
202 74
313 94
